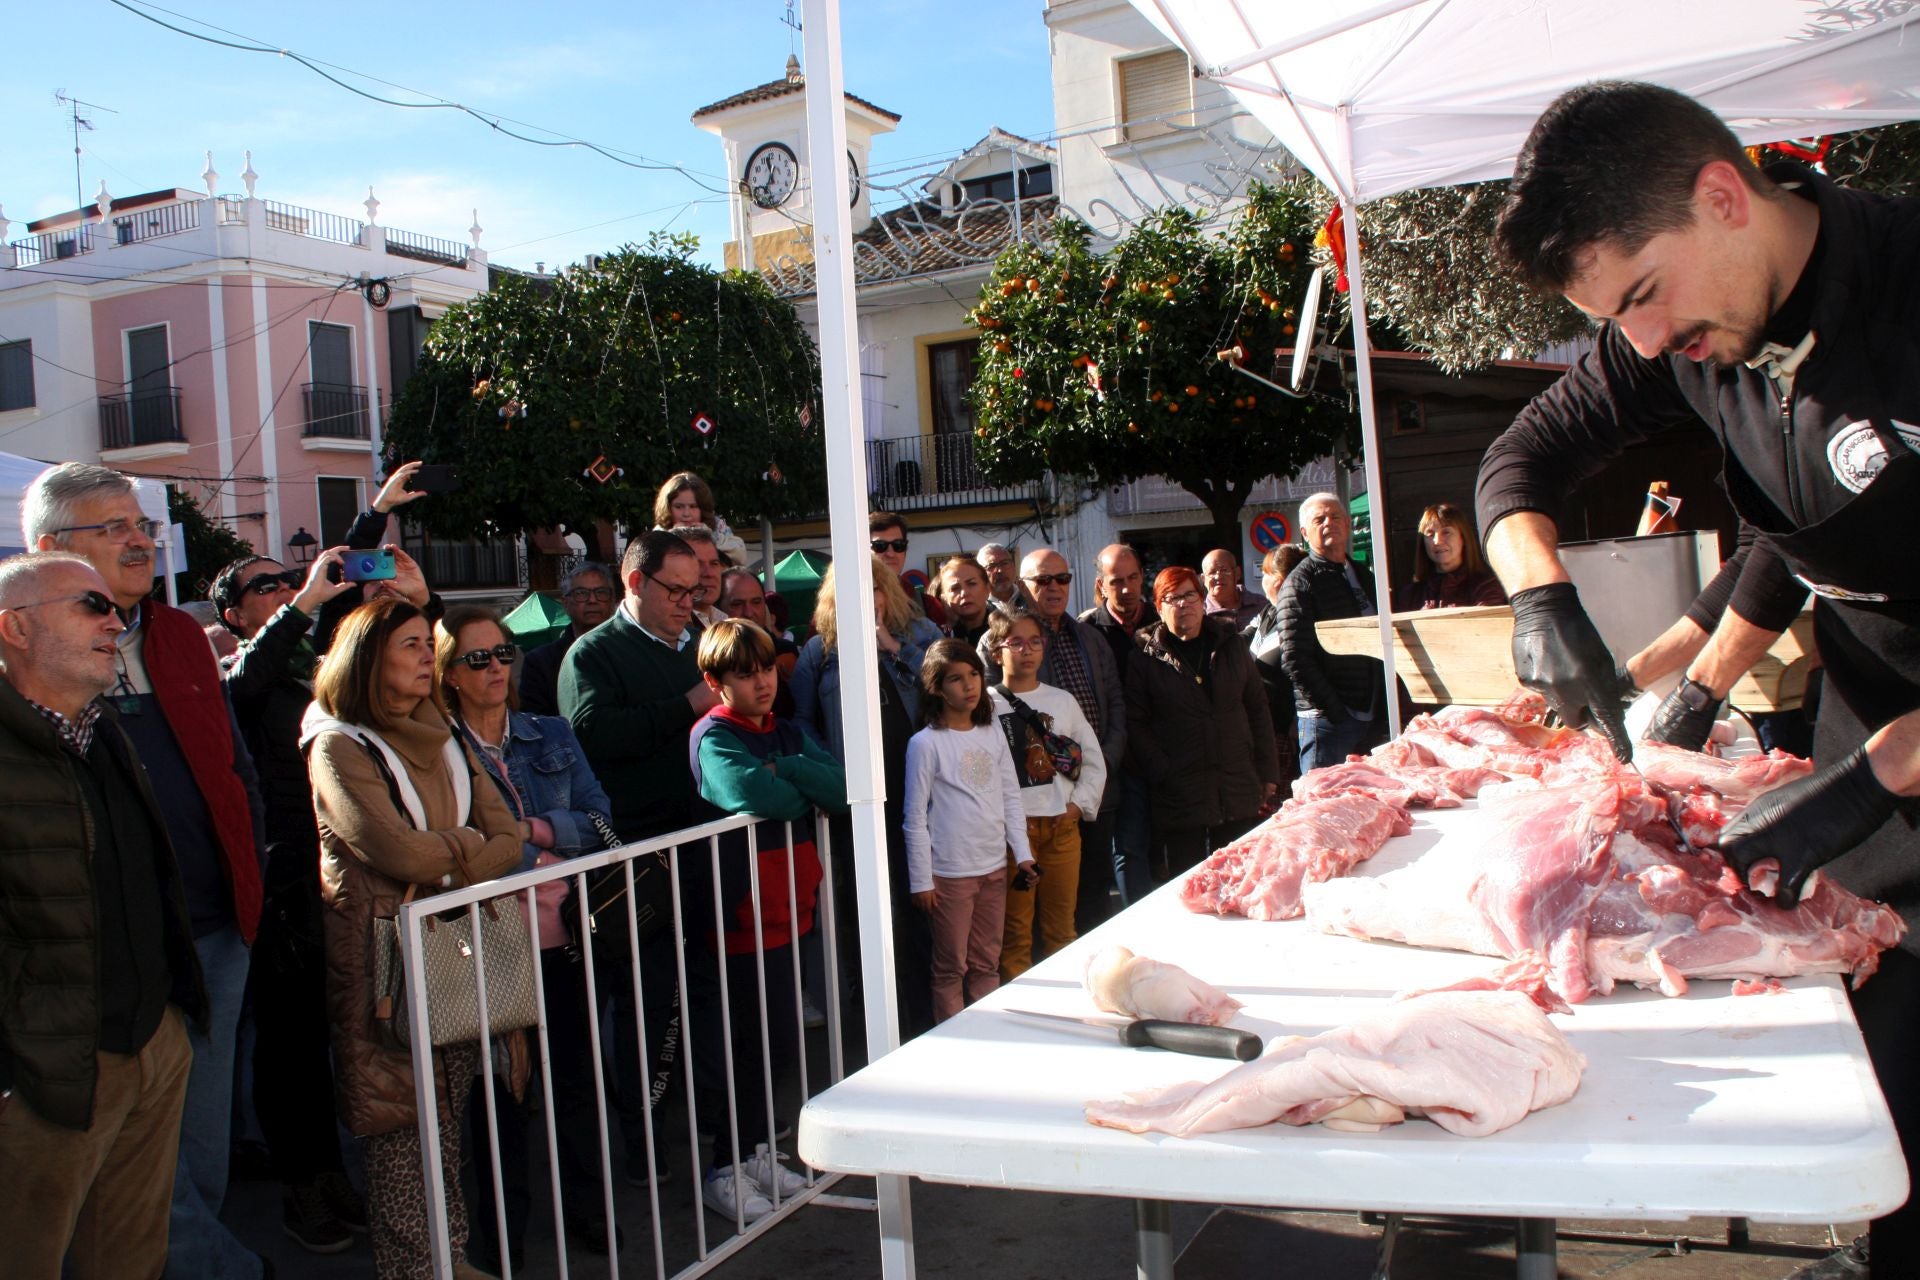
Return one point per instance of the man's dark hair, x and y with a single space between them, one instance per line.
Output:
878 520
648 553
1614 162
225 592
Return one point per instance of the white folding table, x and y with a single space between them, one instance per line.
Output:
1762 1107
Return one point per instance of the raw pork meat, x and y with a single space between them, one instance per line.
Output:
1585 886
1415 785
1472 1062
1740 781
1122 982
1260 874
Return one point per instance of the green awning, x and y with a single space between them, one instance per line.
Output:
536 620
796 576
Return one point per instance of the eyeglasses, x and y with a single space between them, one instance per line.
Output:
265 584
117 530
888 544
1025 646
675 595
480 659
1182 600
581 595
1051 579
94 602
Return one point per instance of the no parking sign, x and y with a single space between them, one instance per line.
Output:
1270 529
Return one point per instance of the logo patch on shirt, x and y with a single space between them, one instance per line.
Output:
1856 454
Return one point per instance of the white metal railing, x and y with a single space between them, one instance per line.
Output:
729 1140
314 223
151 224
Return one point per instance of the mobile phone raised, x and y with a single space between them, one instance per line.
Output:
367 566
434 477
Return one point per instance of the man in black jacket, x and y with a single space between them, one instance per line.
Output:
1341 698
94 1054
270 682
1785 313
589 593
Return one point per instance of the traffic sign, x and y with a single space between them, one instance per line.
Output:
1270 529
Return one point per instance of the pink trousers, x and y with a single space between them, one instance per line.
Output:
969 915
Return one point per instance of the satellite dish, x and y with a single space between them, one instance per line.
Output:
1309 328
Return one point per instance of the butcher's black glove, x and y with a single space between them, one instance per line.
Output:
1558 654
1807 824
1686 717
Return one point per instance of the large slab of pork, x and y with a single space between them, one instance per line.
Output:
1260 874
1474 1063
1585 886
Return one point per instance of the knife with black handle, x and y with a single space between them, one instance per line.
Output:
1176 1037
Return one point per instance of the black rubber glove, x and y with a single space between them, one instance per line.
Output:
1807 824
1686 717
1557 653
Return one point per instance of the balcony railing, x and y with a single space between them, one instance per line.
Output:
312 222
411 244
50 246
921 473
335 410
141 417
151 224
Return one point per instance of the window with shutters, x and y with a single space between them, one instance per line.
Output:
16 375
1156 93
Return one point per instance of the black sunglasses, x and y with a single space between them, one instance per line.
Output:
94 602
1051 579
888 544
479 659
265 584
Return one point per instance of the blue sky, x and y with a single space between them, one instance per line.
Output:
626 75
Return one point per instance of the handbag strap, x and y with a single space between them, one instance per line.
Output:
1027 714
608 836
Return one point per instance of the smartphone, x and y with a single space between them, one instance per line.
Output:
367 566
434 477
1025 878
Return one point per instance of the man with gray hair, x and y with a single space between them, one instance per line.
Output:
1341 698
1003 578
713 563
94 1056
167 692
588 592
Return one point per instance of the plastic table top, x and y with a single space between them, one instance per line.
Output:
1762 1106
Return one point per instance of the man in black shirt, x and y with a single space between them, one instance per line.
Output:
589 594
93 1045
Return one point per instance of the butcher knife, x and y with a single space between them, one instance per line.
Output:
1158 1033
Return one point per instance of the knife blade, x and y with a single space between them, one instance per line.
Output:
1157 1033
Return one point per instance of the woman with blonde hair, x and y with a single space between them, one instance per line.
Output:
687 499
1448 568
401 807
901 640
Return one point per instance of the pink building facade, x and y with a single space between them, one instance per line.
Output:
241 350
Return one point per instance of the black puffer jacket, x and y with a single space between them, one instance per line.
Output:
1331 685
268 700
1202 739
49 941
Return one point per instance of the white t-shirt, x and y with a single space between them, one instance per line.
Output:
963 806
1050 799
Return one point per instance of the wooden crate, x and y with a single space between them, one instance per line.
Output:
1464 657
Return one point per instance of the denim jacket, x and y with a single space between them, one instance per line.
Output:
816 683
547 776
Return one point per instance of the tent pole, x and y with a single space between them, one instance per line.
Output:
853 578
1370 444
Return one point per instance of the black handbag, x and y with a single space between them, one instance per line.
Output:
606 924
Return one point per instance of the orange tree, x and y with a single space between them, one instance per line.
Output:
1105 368
525 389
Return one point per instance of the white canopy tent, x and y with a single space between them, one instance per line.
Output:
16 473
1393 95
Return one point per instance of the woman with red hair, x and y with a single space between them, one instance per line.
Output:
1198 729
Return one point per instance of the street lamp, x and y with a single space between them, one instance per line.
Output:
302 545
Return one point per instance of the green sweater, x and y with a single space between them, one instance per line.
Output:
626 694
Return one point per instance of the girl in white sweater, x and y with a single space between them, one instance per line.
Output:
963 817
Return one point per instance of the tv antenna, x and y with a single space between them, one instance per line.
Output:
80 123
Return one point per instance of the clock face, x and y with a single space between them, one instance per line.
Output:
853 182
771 175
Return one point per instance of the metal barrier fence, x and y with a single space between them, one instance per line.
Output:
728 1140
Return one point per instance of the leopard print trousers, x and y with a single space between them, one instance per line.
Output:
397 1180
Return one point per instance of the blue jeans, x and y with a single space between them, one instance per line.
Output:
1133 840
198 1243
1324 742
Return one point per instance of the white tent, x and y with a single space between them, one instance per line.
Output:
16 473
1393 95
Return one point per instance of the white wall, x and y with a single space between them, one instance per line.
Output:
64 422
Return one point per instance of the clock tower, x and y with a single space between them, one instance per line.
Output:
763 131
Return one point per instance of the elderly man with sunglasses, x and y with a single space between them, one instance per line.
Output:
167 693
1081 662
589 594
94 1054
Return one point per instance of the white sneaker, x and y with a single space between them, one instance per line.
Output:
769 1174
737 1198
